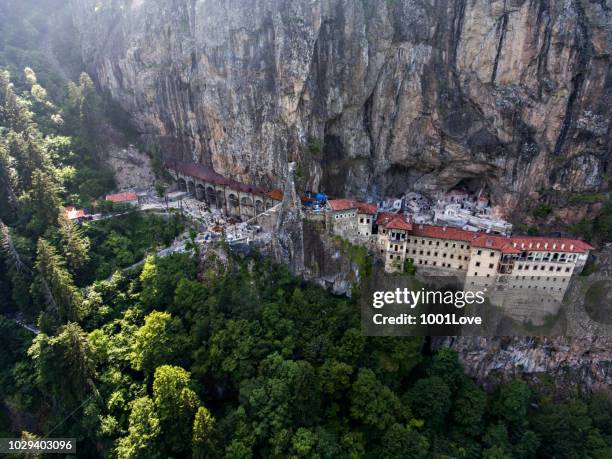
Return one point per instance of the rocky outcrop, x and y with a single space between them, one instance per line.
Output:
288 235
564 363
326 262
370 97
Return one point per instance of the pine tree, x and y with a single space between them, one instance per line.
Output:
64 364
43 202
75 246
8 183
55 286
29 156
13 111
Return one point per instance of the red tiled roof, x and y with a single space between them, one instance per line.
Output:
122 197
345 204
208 174
399 222
72 213
444 232
342 204
277 195
552 244
505 244
366 208
494 242
393 221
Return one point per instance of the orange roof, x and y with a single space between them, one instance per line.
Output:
444 232
122 197
399 222
366 208
72 213
491 241
345 204
342 204
277 195
552 244
385 217
505 244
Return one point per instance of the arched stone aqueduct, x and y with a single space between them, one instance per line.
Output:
235 199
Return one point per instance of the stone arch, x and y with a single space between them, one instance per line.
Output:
232 201
182 184
211 196
220 199
246 206
200 192
191 188
259 206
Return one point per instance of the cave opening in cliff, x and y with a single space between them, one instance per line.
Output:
474 186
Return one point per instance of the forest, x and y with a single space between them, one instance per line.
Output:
224 357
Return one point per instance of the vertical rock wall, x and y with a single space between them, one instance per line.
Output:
373 96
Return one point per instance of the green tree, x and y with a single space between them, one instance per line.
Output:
203 426
143 432
233 349
13 110
334 377
469 410
373 403
64 365
512 404
55 286
8 185
567 430
155 342
430 400
405 442
160 276
43 202
84 112
75 246
445 364
303 443
176 404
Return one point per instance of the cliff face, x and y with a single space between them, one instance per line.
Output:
562 363
369 97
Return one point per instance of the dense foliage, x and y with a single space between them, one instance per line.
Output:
248 361
232 359
124 240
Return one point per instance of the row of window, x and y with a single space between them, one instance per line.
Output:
535 287
435 263
549 256
446 244
542 268
337 216
491 265
444 254
554 279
